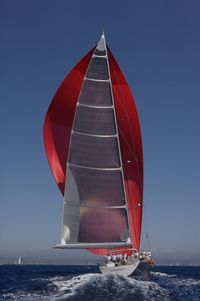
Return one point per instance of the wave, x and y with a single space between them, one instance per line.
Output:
159 274
96 287
179 288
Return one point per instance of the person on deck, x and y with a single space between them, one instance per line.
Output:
114 258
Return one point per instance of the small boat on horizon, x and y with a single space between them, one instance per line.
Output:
19 260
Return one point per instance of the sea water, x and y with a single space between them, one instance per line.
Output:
84 283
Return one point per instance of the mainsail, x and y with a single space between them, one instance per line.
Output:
93 144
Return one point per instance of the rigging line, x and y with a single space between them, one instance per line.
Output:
124 109
130 130
135 161
122 106
122 134
131 211
146 229
140 180
126 113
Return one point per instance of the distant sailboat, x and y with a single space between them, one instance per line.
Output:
19 260
93 144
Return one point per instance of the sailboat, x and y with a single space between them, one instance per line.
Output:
19 260
93 143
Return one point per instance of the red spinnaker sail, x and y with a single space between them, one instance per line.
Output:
59 120
57 130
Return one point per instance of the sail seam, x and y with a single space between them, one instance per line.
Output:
93 135
91 106
93 206
95 168
99 56
97 80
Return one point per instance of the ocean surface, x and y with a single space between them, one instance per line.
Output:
84 283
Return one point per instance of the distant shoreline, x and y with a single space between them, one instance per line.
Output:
77 262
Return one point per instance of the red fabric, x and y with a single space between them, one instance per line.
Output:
131 147
59 120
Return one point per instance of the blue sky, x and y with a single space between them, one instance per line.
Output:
157 46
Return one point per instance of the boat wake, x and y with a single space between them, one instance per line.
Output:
97 287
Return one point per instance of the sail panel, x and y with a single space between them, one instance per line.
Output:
100 52
98 187
84 220
90 120
99 152
59 119
102 225
95 93
98 69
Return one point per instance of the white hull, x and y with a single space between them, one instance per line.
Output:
122 269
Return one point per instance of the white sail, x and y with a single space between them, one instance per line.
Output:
19 260
95 211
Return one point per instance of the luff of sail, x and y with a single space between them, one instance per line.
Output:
59 124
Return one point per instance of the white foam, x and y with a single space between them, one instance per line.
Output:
71 284
111 287
162 274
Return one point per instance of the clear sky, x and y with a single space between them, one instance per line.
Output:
157 46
